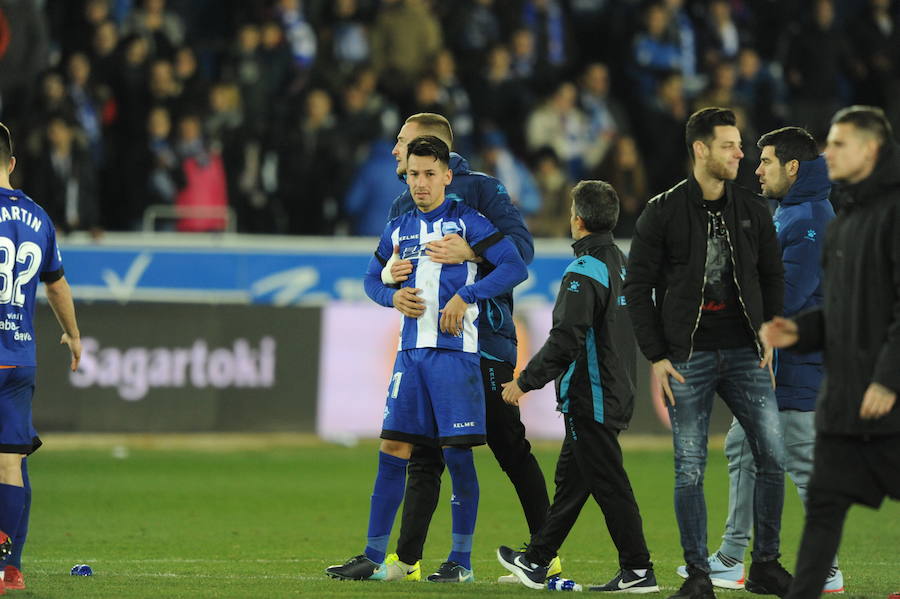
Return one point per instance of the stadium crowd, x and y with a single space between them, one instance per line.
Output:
286 110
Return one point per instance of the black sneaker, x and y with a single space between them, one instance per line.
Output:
768 578
697 586
358 568
530 574
451 572
627 581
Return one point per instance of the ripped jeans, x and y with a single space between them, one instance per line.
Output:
735 375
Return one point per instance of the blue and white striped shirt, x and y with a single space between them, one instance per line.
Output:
412 231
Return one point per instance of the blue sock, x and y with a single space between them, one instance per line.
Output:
15 558
463 504
386 498
12 502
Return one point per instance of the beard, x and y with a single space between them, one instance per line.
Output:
719 170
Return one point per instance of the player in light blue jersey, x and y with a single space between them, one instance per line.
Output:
28 253
435 395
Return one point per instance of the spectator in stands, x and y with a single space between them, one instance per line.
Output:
876 37
204 197
103 53
373 189
819 62
560 124
307 167
606 117
405 38
681 29
244 66
154 169
665 120
163 28
721 91
163 87
591 23
552 219
194 86
426 96
301 40
523 57
655 51
276 61
624 170
24 55
759 91
550 29
722 36
500 162
52 99
64 177
504 101
361 121
348 43
131 86
455 101
473 28
87 101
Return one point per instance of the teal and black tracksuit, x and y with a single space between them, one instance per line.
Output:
591 355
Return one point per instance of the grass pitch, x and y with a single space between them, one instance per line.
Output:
242 520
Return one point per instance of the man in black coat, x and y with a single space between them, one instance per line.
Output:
704 272
857 456
591 354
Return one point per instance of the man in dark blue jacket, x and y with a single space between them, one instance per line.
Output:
792 172
497 341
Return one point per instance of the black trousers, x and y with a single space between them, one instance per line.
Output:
505 437
846 470
590 464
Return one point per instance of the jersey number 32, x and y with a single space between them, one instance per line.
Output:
12 280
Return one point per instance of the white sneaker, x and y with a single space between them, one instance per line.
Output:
835 582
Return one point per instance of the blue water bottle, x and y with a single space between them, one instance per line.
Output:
555 583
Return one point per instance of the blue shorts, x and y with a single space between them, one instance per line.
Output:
435 397
17 435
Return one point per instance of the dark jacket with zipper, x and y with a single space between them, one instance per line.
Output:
800 221
667 267
590 351
858 324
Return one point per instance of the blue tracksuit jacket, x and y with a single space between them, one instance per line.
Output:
800 220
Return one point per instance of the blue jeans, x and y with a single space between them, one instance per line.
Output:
799 429
747 391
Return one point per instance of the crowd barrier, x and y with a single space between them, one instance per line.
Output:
197 333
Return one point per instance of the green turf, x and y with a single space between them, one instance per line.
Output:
172 524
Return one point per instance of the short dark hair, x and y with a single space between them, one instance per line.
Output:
429 145
791 143
597 203
868 118
435 124
702 126
6 145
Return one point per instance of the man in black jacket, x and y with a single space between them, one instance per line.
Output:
591 354
857 456
704 272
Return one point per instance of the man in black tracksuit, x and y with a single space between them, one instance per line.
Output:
857 455
704 272
591 354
